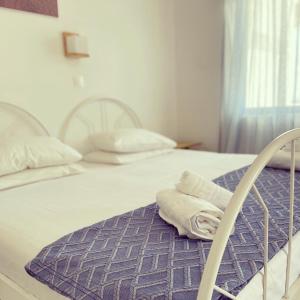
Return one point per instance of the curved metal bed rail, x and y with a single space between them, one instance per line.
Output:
24 118
94 115
207 285
75 113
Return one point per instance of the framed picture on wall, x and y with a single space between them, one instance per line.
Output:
44 7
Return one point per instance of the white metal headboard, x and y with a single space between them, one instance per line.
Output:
95 115
15 121
207 285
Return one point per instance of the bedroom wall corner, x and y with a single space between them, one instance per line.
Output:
199 35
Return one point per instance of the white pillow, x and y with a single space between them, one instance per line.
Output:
131 140
121 158
17 154
288 147
36 175
282 160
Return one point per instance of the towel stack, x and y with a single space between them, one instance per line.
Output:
282 159
195 207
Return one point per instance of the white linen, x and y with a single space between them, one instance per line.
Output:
195 218
36 175
34 216
131 140
288 146
282 160
198 186
122 158
17 154
10 161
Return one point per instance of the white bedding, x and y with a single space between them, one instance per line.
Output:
35 175
35 215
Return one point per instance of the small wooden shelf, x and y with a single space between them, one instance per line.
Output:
190 145
76 55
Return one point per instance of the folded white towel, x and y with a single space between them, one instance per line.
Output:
282 160
195 218
197 186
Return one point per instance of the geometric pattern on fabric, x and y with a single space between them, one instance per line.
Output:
139 256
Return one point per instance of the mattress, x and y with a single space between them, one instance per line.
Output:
34 216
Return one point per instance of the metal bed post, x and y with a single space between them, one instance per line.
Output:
291 222
207 284
266 240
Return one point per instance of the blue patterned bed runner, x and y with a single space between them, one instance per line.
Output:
138 256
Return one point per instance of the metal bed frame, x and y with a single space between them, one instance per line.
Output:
16 121
94 115
207 285
23 119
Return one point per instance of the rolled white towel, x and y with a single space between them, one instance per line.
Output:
282 160
195 218
197 186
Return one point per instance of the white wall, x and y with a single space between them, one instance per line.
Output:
132 59
174 84
199 30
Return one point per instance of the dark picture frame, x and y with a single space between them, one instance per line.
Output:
44 7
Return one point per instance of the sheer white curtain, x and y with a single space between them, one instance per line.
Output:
261 72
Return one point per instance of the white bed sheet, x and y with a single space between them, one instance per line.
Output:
34 216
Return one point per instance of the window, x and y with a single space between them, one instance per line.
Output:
273 55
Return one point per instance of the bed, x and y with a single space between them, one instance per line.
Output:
35 215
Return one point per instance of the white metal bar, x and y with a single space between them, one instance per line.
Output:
222 235
291 222
225 293
16 110
77 109
86 123
266 240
